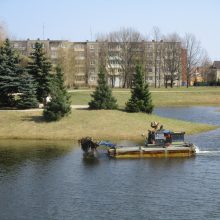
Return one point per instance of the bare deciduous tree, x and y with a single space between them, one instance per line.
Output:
66 60
172 59
205 68
122 51
3 33
157 55
108 59
194 54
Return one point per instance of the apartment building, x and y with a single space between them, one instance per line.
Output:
119 59
216 71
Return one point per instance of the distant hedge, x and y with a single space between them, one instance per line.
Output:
211 83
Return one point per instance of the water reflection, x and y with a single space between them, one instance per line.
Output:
91 161
15 153
51 180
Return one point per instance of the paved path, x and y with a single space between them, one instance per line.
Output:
81 90
154 91
22 110
40 109
79 106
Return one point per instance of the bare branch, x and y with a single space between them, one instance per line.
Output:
194 54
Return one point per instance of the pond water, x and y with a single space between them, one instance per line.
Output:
47 180
200 114
208 142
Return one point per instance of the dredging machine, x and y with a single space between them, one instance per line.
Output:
159 143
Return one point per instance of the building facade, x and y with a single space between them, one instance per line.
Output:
216 71
161 61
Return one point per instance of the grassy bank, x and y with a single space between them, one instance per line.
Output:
161 97
98 124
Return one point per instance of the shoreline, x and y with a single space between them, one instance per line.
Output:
99 124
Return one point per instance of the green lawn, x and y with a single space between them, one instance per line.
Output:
161 97
107 124
102 124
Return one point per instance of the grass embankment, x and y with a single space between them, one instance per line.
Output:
103 124
107 124
161 97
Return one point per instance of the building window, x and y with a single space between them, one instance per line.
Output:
79 47
53 54
16 45
118 47
79 78
54 48
93 78
92 62
80 69
92 71
91 47
62 45
149 46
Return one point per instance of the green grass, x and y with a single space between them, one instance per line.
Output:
109 124
102 124
161 97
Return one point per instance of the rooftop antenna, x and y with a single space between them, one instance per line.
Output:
43 31
91 33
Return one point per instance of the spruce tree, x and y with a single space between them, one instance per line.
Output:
59 105
9 74
39 67
27 92
140 100
102 96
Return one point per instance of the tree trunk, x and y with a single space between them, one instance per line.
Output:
165 81
187 81
112 81
159 79
171 82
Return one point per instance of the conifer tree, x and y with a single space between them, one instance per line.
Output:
27 92
140 100
9 74
59 105
102 96
39 68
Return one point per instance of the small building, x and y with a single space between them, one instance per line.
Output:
216 71
197 76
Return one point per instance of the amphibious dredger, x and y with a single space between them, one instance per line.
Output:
166 144
159 143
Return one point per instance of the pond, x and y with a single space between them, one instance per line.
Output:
208 142
51 180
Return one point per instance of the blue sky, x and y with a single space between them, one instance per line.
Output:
81 20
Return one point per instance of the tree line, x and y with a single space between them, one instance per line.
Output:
163 59
25 85
26 82
160 55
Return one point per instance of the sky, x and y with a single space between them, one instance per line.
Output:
83 19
